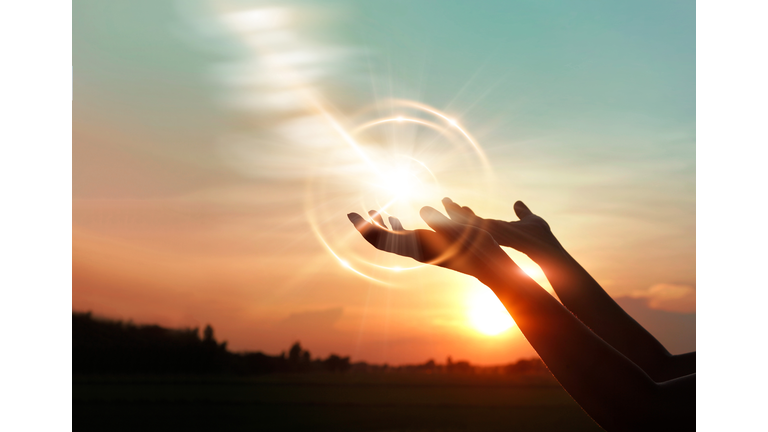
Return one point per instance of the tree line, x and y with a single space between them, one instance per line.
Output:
101 346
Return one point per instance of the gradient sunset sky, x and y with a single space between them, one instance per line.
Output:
208 166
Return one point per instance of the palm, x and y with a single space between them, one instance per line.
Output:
459 247
530 235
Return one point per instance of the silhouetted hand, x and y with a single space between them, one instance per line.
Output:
530 235
452 245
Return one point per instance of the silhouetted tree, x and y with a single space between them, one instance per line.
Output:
527 367
208 334
335 363
294 354
103 346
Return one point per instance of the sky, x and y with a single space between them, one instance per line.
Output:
218 146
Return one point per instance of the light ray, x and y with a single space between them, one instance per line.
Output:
380 176
453 123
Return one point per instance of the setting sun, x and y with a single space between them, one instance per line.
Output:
486 313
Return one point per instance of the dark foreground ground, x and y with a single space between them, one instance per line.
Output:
325 402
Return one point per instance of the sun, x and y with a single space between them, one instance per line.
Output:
486 313
403 178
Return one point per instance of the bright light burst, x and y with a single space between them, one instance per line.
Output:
394 165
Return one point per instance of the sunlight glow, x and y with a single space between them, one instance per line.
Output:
486 313
399 181
532 270
406 180
393 156
394 182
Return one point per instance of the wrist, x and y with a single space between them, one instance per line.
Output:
502 273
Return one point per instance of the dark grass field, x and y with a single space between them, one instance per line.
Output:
326 402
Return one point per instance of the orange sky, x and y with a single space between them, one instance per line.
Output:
192 151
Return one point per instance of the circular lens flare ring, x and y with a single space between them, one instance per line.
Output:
452 122
398 182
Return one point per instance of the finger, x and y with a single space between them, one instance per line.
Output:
448 202
521 210
438 222
395 224
373 233
377 217
402 243
463 215
359 222
454 210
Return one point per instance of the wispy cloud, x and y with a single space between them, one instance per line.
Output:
669 297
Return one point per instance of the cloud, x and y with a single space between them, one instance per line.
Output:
669 297
676 331
318 320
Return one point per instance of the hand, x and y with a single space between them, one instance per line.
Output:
463 248
530 235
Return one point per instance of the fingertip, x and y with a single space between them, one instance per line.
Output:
430 214
426 212
396 224
521 209
355 218
376 216
447 202
357 221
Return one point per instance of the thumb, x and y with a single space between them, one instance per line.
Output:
521 210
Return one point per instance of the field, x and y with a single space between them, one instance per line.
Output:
326 402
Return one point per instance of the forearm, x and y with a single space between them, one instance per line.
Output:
614 391
586 299
683 364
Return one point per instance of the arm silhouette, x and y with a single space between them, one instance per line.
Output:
613 390
578 291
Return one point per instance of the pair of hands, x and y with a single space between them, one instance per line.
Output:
466 242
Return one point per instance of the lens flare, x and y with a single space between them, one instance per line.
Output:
400 164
